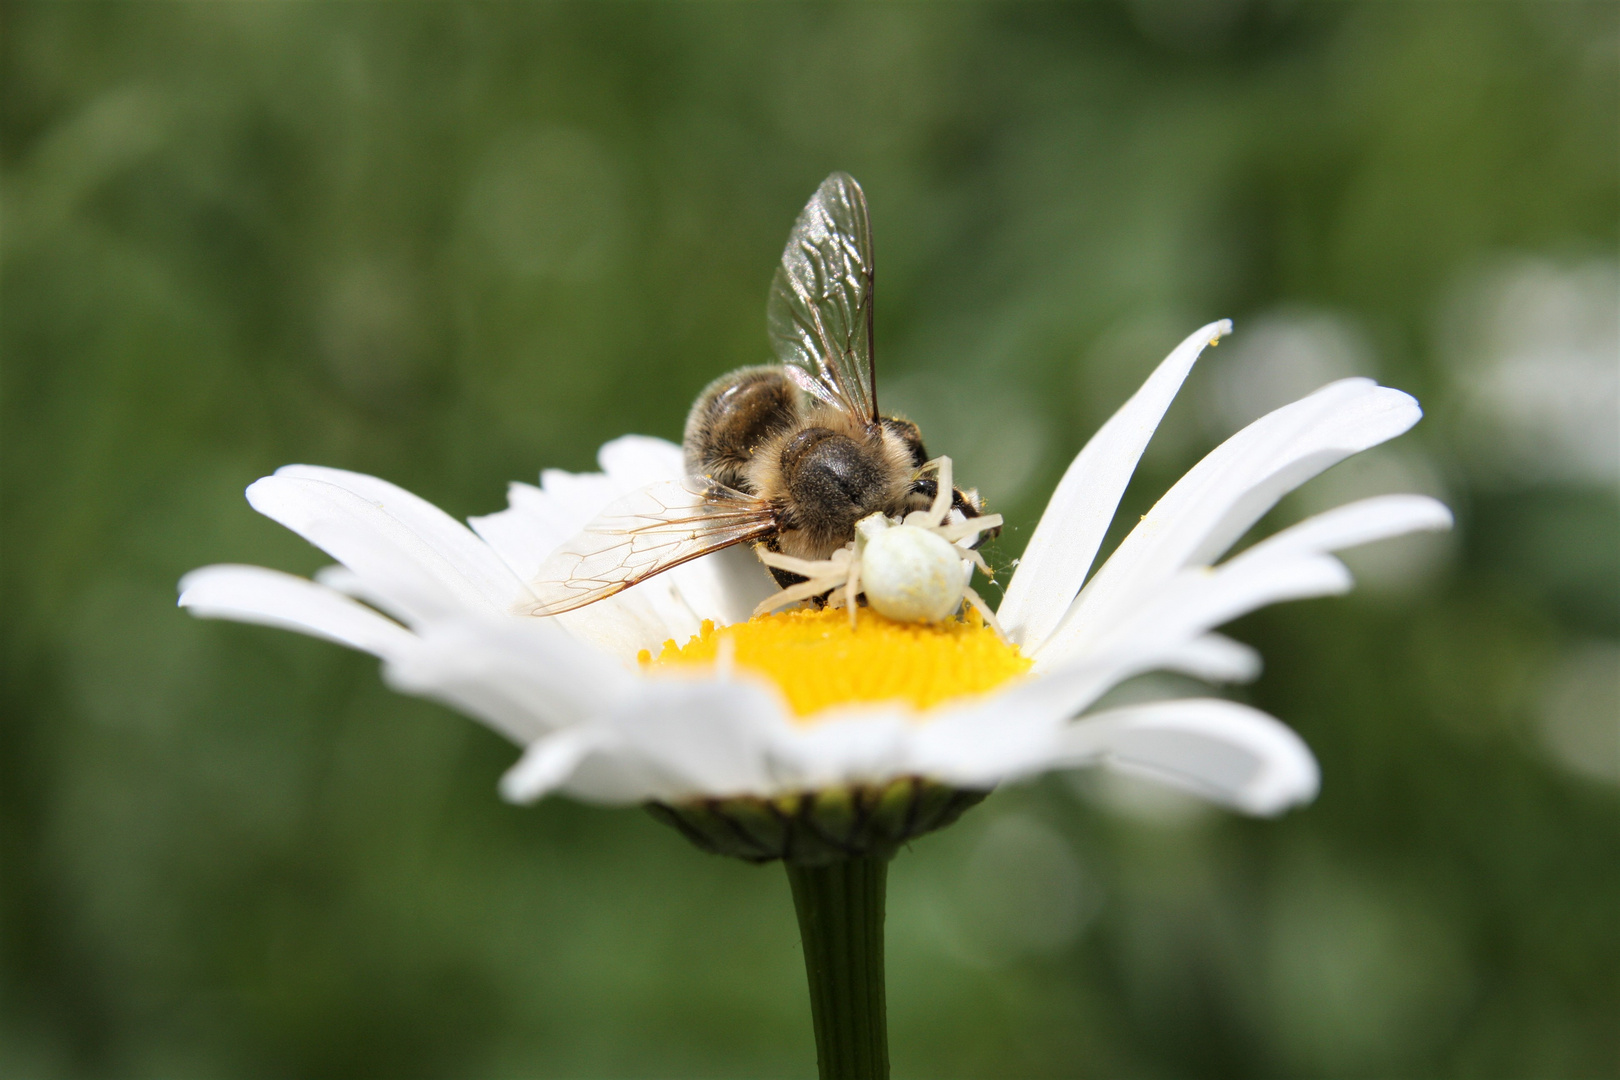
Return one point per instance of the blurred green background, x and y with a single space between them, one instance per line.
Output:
451 244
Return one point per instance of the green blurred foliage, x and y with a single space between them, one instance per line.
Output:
451 244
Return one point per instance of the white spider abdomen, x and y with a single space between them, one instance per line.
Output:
911 574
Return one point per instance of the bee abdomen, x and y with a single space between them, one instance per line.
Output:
733 417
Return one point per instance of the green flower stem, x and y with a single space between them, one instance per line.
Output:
840 908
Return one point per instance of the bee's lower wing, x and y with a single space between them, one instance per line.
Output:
644 533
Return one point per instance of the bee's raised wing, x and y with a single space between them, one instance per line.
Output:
644 533
820 311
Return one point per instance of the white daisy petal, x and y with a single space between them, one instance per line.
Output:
623 626
1060 551
1343 418
980 747
703 736
340 577
254 594
855 745
471 559
537 519
638 460
569 500
1214 658
419 564
367 590
1192 603
1012 733
657 609
1235 484
1352 525
1287 566
725 586
612 775
525 532
1015 732
1199 599
524 677
549 762
697 737
673 604
1221 750
489 701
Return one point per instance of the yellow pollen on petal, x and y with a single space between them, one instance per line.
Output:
819 661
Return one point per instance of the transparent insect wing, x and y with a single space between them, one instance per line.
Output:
644 533
820 310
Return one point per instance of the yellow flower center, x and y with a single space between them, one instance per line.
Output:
819 661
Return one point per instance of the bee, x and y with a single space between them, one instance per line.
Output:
789 455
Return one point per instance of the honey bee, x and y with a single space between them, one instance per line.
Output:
789 455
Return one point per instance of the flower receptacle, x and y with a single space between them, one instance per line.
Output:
818 828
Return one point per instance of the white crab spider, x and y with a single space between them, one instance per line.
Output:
911 570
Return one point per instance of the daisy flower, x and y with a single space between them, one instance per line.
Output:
668 694
601 623
827 738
